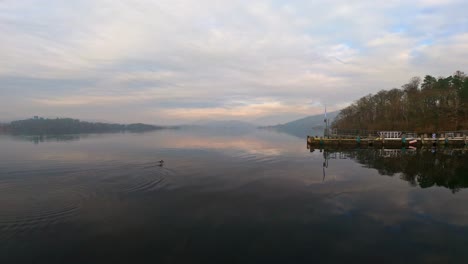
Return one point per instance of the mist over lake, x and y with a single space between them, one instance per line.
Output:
226 196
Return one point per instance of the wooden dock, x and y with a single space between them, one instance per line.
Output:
321 142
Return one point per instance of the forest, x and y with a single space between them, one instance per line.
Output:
44 126
422 105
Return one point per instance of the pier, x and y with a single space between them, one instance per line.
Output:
397 140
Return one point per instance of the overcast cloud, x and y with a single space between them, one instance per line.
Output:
173 62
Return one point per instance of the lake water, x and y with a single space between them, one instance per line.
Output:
227 197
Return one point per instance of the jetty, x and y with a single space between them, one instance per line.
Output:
390 139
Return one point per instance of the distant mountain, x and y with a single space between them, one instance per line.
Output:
215 128
311 125
224 124
277 118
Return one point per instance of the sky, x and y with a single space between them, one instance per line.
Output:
181 62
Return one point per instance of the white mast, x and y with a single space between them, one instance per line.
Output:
325 134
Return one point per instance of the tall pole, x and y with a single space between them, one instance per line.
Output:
325 134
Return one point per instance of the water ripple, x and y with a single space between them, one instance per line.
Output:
140 178
33 198
31 205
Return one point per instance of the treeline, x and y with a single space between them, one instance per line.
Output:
44 126
427 105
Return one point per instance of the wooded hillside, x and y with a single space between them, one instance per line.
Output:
43 126
427 105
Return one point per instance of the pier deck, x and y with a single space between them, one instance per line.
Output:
317 142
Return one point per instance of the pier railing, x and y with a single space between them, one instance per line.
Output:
454 134
353 133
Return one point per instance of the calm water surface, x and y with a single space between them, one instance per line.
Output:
227 197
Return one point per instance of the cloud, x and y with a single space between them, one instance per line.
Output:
178 58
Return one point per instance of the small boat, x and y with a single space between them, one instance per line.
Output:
414 141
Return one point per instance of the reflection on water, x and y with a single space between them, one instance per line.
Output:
227 197
447 167
36 139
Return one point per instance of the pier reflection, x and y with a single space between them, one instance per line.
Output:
419 167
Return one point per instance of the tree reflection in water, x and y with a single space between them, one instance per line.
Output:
424 167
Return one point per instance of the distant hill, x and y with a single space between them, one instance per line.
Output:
44 126
224 124
311 125
215 128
